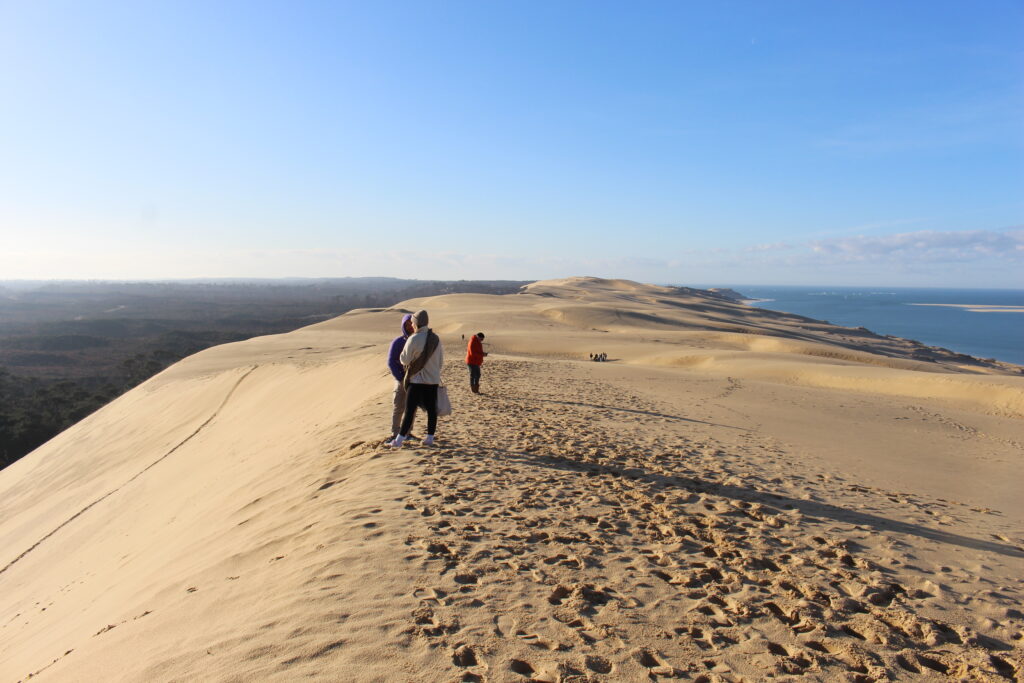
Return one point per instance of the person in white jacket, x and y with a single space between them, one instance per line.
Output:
422 357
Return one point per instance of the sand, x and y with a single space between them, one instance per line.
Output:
736 495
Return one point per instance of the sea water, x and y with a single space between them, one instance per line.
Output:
989 334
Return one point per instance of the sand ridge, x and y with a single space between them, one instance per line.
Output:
238 518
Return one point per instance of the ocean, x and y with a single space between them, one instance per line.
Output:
983 331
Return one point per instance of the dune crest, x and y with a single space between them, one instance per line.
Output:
736 494
684 327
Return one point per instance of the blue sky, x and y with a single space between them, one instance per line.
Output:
762 142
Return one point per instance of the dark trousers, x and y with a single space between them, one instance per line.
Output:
474 373
420 396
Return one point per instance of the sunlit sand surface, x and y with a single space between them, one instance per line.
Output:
737 494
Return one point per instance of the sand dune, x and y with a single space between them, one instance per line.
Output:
740 494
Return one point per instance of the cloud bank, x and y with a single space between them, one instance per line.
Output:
973 258
926 246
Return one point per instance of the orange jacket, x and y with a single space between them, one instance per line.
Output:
474 351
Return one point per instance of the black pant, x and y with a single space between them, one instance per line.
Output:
474 373
420 396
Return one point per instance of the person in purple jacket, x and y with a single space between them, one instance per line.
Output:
398 372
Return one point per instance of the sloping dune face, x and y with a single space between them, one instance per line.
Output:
736 493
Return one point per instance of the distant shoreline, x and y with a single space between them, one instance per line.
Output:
979 308
933 317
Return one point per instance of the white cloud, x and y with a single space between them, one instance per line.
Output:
928 246
772 247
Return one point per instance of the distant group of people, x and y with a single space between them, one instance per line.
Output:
415 359
599 357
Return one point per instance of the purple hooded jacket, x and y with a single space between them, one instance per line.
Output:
395 365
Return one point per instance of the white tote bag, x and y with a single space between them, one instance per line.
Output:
444 404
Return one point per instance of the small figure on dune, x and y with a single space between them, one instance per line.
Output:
422 357
474 359
398 372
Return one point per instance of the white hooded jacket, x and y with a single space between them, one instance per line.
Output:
431 372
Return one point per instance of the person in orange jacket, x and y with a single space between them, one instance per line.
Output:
474 359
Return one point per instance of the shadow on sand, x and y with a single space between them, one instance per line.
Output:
634 411
808 508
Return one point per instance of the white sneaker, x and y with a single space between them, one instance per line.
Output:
397 441
429 441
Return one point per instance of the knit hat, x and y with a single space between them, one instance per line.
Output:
420 319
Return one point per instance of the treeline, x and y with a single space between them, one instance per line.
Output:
35 409
68 349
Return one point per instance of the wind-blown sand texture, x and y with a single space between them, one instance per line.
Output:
737 495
